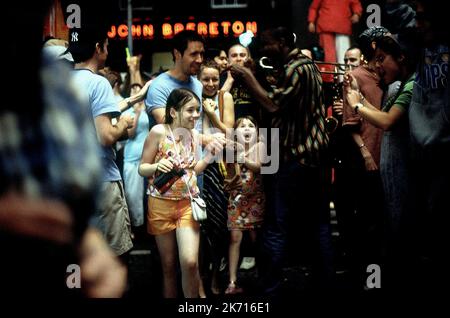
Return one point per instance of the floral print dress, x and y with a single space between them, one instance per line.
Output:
246 205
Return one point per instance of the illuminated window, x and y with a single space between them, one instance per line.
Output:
228 4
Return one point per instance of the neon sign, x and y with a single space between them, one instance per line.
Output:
168 30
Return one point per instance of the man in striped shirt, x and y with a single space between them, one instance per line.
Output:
298 202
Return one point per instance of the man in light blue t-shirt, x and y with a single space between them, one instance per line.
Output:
89 48
188 50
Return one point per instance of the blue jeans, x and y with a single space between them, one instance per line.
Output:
297 220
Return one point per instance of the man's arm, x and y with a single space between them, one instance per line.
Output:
159 114
365 153
107 133
126 103
134 64
257 91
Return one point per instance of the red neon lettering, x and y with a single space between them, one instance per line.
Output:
167 30
238 27
122 30
226 26
252 26
190 26
136 30
112 33
202 28
213 29
148 30
178 27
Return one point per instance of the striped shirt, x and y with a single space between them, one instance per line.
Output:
301 114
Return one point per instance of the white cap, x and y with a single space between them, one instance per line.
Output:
57 52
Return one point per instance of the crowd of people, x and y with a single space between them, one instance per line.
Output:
67 199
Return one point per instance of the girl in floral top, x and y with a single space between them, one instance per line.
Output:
168 146
246 204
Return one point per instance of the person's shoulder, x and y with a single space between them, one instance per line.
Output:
101 81
161 77
362 71
410 82
162 83
195 80
158 130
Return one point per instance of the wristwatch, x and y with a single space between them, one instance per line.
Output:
357 106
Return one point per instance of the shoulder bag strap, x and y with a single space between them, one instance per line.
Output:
221 93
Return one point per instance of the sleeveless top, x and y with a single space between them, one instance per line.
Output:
166 149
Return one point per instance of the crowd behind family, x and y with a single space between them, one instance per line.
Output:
67 198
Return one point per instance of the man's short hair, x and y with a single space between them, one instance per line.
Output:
282 32
82 41
182 39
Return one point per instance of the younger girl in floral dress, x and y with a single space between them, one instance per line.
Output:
246 203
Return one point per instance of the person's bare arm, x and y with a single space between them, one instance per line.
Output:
228 84
128 102
148 166
378 118
369 162
228 112
212 149
252 160
134 64
46 219
132 131
102 274
107 133
159 114
258 92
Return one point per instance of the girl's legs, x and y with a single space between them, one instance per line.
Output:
236 238
167 250
188 245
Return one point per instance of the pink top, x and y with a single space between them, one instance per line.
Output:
187 161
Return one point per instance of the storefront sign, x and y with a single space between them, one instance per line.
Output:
168 30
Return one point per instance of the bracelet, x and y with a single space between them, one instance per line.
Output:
128 102
357 106
362 145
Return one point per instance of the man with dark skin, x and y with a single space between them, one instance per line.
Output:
296 108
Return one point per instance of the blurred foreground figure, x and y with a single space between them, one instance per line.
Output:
50 168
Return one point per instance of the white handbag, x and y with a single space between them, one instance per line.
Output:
198 206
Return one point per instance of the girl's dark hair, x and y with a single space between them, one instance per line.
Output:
176 100
113 77
402 46
366 38
248 117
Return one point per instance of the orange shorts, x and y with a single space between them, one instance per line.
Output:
164 216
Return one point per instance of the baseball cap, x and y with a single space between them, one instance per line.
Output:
57 52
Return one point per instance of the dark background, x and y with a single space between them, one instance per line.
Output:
267 13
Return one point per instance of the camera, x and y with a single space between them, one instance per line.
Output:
164 181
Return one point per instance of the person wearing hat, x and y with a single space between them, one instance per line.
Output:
89 49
